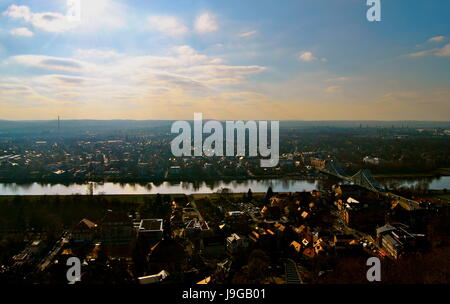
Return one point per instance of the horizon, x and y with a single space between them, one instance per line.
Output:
204 119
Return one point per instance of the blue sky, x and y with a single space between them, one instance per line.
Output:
303 59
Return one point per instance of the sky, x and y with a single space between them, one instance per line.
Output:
234 59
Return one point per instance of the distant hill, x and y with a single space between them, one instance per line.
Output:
68 127
79 126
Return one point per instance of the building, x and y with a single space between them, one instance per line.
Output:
372 160
174 170
395 239
238 222
84 232
197 228
152 279
150 230
318 163
236 243
365 213
343 241
167 255
296 246
116 228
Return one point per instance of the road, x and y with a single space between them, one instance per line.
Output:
53 253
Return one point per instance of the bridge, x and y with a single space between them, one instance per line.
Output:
365 179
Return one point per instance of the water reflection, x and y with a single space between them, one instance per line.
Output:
422 183
278 185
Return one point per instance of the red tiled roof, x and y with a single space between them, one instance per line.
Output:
86 224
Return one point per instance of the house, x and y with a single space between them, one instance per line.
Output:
197 228
319 246
150 230
116 228
84 232
167 255
342 241
174 170
204 281
237 221
349 190
318 163
236 243
309 252
297 246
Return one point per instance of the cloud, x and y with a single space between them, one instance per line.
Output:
96 14
239 97
96 54
334 89
190 56
22 31
19 12
438 52
444 52
123 82
221 74
13 88
342 78
247 34
307 57
103 14
65 82
48 62
168 25
206 23
421 53
437 39
49 21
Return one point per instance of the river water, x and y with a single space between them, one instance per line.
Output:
278 185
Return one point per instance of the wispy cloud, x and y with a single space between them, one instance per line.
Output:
206 23
48 62
437 39
182 76
96 14
169 25
22 31
341 78
96 54
333 89
444 52
247 34
49 21
437 52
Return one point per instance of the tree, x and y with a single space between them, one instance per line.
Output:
269 194
249 195
258 266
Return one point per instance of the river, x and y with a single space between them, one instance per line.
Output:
278 185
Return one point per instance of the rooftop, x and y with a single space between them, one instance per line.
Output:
151 225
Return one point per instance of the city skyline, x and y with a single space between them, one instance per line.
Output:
299 60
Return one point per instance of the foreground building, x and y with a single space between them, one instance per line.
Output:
395 240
